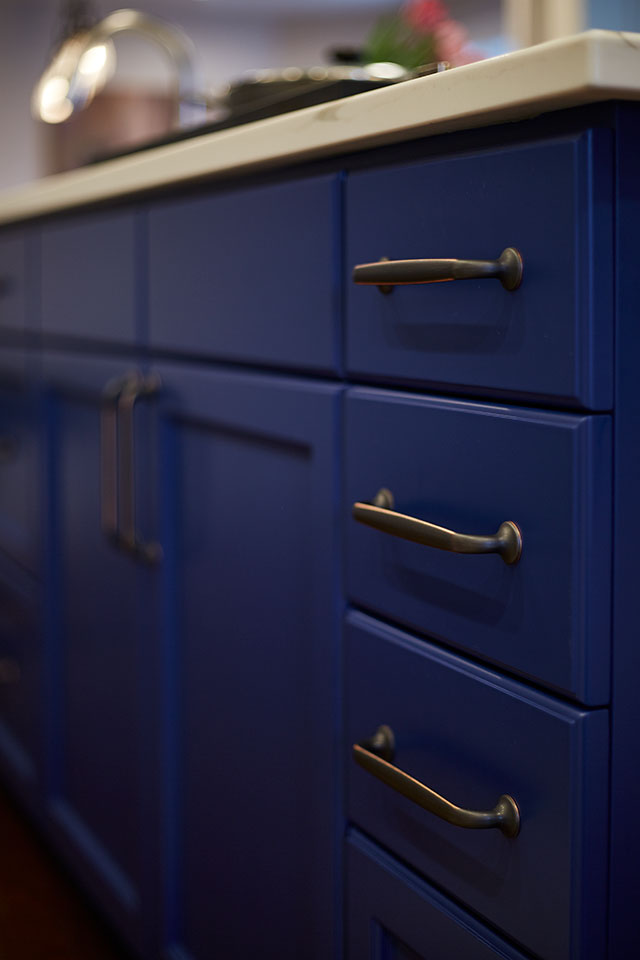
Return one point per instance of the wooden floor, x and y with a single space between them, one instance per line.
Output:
42 915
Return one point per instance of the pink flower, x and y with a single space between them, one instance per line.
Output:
468 55
424 15
451 38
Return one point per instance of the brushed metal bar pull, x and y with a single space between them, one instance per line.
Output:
386 274
136 387
375 755
109 458
507 541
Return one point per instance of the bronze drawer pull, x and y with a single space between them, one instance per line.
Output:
379 515
374 756
109 458
136 387
386 274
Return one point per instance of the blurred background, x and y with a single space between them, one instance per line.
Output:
229 37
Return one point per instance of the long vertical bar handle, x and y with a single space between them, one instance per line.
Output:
136 387
109 458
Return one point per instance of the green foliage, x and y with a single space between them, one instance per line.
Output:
393 39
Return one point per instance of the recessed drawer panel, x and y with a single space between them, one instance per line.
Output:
89 267
473 737
469 468
249 275
392 913
549 338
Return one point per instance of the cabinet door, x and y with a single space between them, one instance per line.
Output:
103 641
250 611
21 648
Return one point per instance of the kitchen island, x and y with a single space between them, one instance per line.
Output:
243 655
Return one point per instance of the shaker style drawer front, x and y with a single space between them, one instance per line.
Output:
484 471
473 738
89 267
250 276
392 913
551 336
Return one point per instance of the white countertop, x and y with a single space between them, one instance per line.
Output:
593 66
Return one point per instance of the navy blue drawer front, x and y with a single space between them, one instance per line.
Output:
551 337
392 913
249 276
472 736
90 270
469 467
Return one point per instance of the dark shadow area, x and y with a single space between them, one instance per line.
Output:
43 916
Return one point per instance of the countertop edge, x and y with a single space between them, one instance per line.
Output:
593 66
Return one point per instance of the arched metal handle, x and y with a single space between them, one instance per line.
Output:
386 274
375 755
136 387
507 541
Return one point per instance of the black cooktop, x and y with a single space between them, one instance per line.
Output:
258 104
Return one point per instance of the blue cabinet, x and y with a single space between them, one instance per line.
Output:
470 467
103 780
210 630
392 913
473 736
250 614
239 275
91 277
22 651
550 339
